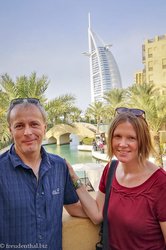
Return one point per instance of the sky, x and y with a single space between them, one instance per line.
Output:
49 36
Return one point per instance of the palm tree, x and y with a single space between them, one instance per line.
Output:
149 98
31 87
74 115
96 111
53 108
4 132
67 105
59 109
114 98
23 87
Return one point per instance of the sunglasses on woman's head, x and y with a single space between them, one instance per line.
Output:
136 112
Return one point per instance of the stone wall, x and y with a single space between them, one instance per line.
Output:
79 233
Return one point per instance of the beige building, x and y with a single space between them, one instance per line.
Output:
138 77
154 60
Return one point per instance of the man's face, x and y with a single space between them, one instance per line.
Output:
27 128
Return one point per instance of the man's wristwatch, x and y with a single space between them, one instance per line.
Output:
77 184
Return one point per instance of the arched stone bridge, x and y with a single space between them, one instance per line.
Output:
60 134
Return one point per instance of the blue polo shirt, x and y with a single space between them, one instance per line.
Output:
31 210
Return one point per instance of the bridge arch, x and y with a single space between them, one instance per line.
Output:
60 133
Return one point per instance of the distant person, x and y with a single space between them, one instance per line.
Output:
101 146
34 185
137 204
94 145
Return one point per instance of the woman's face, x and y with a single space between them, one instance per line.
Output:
125 143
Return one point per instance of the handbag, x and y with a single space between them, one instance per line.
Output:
103 243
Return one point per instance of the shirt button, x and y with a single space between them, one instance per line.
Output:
40 236
42 193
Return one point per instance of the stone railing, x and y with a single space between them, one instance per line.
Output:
79 233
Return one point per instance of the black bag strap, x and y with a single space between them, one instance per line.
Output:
107 195
103 244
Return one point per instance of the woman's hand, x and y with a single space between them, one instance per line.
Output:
93 208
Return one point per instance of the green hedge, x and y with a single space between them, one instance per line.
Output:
87 141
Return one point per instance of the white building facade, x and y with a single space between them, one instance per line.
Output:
104 72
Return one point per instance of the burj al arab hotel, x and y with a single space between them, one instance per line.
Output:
104 72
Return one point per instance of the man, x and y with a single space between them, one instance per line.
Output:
34 185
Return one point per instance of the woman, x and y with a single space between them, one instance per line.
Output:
137 211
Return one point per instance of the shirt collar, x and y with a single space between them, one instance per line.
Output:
16 160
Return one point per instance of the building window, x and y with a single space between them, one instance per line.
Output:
150 66
150 78
150 53
164 76
164 63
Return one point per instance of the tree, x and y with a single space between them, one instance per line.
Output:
23 87
31 86
96 111
59 109
74 115
153 102
114 98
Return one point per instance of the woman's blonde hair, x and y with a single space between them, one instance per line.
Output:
142 132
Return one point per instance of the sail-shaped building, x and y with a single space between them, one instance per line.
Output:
104 72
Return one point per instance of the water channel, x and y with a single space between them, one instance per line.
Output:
70 152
